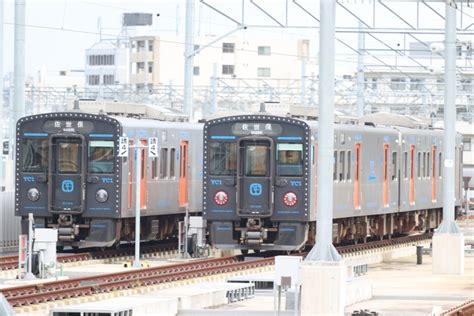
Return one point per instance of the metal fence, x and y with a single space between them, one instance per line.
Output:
9 223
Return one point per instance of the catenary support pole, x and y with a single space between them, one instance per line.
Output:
214 90
360 74
189 59
138 148
19 60
449 225
2 117
324 249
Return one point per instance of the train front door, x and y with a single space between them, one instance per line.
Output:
254 177
66 174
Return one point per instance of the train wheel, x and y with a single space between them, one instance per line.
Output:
244 251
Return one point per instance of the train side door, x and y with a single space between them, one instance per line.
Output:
183 173
66 178
255 177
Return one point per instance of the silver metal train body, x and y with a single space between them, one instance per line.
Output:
70 176
260 181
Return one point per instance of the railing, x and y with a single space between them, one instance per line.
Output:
9 223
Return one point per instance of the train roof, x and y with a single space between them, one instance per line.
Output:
131 122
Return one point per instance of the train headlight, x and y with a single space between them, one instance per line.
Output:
33 194
290 199
221 198
101 196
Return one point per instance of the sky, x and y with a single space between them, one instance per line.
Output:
59 31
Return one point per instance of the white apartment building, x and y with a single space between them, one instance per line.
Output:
231 57
106 64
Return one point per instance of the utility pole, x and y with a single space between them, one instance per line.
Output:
189 59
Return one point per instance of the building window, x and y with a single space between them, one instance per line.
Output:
150 46
93 80
140 46
466 144
416 84
196 70
109 79
227 69
150 67
263 72
228 47
466 85
140 67
264 50
440 84
397 84
102 60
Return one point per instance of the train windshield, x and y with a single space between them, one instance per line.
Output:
69 157
101 156
257 158
290 159
223 159
35 155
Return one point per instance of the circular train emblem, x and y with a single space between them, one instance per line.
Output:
221 198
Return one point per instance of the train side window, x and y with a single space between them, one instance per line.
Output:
222 159
428 164
35 155
313 154
440 165
290 159
342 160
334 175
405 165
418 165
101 156
154 168
172 162
163 163
348 177
394 165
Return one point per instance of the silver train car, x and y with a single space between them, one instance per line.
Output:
260 181
70 177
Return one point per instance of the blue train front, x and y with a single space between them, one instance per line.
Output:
67 175
256 180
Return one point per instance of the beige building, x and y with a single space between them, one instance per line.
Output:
158 60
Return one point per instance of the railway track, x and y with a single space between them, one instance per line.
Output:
50 291
11 262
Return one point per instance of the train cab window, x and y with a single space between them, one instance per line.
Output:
256 160
69 157
394 166
172 161
222 159
163 163
101 156
290 160
35 155
348 176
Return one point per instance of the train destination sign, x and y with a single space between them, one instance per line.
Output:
68 126
270 129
